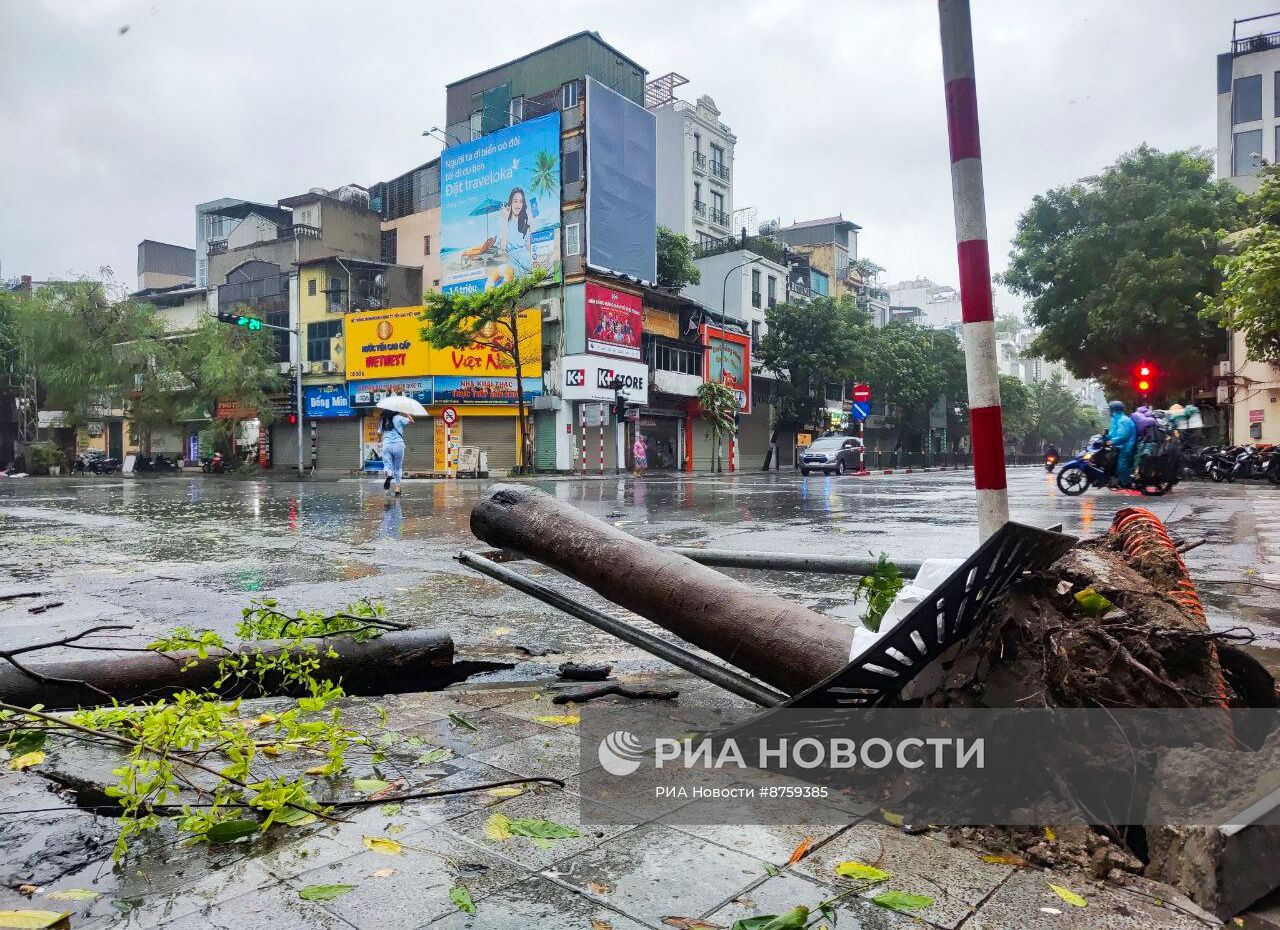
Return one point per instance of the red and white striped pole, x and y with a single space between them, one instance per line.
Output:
983 374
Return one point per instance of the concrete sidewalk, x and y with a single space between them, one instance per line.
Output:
617 877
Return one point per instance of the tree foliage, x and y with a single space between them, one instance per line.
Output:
912 367
1015 407
489 319
719 406
1249 300
1116 266
1057 415
675 259
809 344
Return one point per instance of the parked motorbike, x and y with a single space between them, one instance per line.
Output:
159 463
1091 468
1222 463
97 463
214 464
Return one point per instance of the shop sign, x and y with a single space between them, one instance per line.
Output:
230 410
726 357
491 353
661 323
588 377
1257 416
371 444
368 393
326 401
452 390
614 322
385 344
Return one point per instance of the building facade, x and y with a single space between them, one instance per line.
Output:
1248 136
409 206
161 264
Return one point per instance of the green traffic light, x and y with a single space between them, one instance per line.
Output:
250 322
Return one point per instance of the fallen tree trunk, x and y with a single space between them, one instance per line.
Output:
410 660
782 644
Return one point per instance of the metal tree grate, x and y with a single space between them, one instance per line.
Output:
951 613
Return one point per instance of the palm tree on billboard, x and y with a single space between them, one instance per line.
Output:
545 180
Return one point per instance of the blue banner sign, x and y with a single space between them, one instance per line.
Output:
368 393
453 390
324 401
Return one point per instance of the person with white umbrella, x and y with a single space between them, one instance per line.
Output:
399 412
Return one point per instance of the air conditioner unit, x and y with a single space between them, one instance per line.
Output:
317 367
550 309
331 367
1224 369
284 368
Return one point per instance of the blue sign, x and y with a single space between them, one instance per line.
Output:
324 401
500 207
478 390
368 393
861 409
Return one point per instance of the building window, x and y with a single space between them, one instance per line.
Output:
697 142
570 93
818 282
773 291
833 393
311 287
387 251
572 239
755 287
1246 152
426 245
337 296
664 356
706 240
755 332
1246 99
717 154
436 283
571 167
319 347
477 124
1276 96
516 110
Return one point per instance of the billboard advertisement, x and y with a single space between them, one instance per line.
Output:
325 401
490 359
622 186
480 390
380 344
368 393
614 322
500 207
726 357
588 377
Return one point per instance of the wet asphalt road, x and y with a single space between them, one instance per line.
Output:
168 551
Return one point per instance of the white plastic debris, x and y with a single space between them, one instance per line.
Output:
933 572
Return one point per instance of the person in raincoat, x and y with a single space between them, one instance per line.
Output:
1124 436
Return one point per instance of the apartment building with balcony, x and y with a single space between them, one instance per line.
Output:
409 207
1249 136
831 245
695 153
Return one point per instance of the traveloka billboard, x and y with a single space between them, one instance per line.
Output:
500 207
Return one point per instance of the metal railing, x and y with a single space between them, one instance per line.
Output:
720 170
700 161
900 459
719 217
298 231
217 247
699 208
1259 43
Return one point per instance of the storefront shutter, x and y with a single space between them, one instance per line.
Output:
420 446
497 437
337 444
545 438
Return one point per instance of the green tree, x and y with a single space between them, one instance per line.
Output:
491 320
675 260
1015 408
1056 414
1116 266
911 367
1249 300
719 405
85 347
807 345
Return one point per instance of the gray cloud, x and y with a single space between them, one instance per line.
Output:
111 138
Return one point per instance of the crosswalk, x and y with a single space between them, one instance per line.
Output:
1265 504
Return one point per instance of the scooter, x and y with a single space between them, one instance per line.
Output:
1050 462
164 463
1092 468
214 465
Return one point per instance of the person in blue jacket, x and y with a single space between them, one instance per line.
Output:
1124 436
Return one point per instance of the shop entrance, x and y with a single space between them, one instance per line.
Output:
662 441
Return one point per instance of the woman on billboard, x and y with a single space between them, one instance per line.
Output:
517 232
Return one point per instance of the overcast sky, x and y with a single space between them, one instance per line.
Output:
112 134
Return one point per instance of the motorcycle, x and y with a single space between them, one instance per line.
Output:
214 465
97 463
1092 468
163 463
1050 462
1222 463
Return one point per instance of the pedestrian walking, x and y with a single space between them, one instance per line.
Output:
392 430
640 456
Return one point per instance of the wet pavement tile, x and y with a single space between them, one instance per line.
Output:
277 907
773 843
407 891
550 753
471 731
537 904
654 872
540 804
781 893
1027 902
956 879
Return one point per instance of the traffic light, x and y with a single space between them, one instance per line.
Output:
239 319
1144 378
619 399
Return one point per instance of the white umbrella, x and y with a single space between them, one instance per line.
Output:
399 403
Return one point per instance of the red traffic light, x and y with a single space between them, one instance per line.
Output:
293 419
1144 377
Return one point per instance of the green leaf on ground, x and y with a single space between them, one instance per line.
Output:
21 742
794 919
541 832
461 899
390 810
902 901
370 785
1066 894
461 721
435 755
34 920
324 892
861 871
73 894
771 869
231 830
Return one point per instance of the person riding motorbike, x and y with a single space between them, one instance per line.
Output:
1123 434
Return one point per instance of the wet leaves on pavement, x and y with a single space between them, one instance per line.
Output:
690 923
231 830
861 871
390 810
34 920
435 755
461 899
460 721
558 720
902 901
74 894
801 850
506 791
324 892
380 844
1066 894
26 761
794 919
370 786
1006 859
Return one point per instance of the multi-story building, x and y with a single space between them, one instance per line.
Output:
161 264
694 163
409 206
217 219
1248 137
831 245
936 306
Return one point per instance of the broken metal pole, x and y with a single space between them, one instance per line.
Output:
791 561
654 645
781 643
409 660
